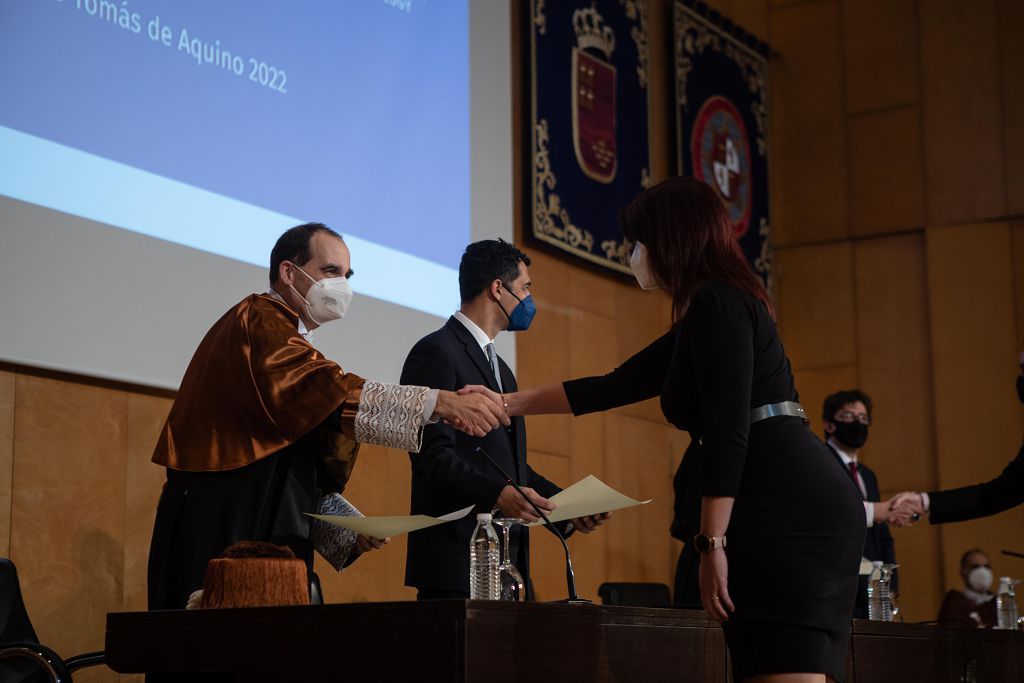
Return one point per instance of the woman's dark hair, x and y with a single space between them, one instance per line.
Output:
293 246
689 240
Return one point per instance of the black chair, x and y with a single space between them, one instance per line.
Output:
635 594
23 659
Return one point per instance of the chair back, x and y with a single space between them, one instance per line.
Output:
15 625
635 594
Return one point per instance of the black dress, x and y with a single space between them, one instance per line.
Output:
797 527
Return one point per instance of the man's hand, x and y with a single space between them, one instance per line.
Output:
512 504
365 544
475 414
588 524
900 511
911 505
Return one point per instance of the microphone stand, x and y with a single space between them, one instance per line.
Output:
570 576
1012 553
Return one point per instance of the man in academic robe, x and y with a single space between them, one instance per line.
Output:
264 426
448 473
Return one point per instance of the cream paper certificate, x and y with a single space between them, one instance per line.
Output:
589 496
384 527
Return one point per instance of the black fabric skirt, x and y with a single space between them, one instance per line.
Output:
795 540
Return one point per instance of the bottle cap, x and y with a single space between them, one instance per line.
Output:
484 517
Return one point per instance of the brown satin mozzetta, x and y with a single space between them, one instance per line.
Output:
253 387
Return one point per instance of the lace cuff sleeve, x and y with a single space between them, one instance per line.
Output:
389 415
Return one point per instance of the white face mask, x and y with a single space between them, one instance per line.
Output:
640 266
327 299
980 579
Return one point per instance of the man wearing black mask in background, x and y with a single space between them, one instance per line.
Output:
847 418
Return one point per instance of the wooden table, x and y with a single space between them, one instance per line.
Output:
492 641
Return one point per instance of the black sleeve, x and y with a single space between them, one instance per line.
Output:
438 463
980 500
720 337
638 379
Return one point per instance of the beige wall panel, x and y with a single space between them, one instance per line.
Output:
592 291
543 351
379 486
880 45
886 171
751 15
622 472
815 385
68 516
1018 277
547 559
6 458
588 551
808 148
974 355
963 117
816 298
1011 28
973 349
144 482
919 554
656 548
894 359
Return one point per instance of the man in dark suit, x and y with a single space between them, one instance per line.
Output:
847 418
447 473
977 500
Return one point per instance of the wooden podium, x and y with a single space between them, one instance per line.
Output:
455 640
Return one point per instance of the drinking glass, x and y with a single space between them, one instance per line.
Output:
512 587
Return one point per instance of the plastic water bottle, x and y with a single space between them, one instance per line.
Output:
484 560
1006 604
879 597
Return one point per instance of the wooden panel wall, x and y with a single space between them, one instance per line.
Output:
898 211
915 293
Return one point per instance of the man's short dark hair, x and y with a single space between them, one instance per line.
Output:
972 551
839 399
487 261
293 246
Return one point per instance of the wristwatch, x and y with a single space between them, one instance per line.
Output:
705 544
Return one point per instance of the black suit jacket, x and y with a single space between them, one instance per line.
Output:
878 543
447 475
980 500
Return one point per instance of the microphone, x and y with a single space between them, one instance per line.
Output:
570 576
1013 553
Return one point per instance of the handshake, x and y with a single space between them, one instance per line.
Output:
474 409
901 510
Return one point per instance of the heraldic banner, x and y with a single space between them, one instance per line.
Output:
590 152
722 121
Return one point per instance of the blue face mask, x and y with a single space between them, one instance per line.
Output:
522 315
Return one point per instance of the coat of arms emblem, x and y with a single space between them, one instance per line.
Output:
593 96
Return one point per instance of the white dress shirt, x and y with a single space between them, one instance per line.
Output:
479 335
847 458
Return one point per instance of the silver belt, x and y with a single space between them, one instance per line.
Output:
790 408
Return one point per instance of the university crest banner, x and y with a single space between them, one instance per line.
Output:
589 144
722 120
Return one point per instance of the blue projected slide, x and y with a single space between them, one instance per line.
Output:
219 124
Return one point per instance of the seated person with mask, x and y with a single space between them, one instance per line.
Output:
974 605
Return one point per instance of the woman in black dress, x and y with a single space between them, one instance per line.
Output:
784 584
